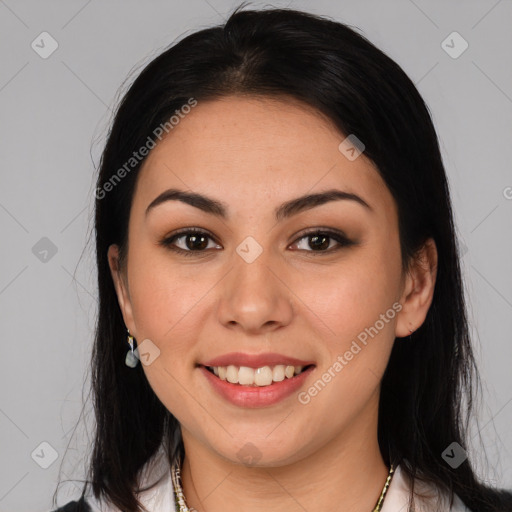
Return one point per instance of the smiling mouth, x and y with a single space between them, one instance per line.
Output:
261 377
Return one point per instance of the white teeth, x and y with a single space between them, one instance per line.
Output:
278 373
263 376
232 374
246 376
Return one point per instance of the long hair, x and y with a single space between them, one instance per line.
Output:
329 66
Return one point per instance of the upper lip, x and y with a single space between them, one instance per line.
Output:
255 360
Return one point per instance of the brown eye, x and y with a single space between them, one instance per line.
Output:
320 241
194 241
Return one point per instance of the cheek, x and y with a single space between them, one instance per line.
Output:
350 296
358 304
162 292
166 308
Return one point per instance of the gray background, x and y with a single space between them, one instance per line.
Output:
54 116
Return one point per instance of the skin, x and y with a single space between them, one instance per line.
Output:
254 154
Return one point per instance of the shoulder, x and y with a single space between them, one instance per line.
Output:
159 496
397 497
75 506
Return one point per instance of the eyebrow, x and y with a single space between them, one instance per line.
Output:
286 210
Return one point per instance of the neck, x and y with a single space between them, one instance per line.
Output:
346 473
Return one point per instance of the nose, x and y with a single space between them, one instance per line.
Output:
254 297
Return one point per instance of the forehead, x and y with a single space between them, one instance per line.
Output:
253 149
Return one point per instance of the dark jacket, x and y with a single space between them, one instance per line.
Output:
75 506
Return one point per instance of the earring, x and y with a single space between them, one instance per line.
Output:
131 359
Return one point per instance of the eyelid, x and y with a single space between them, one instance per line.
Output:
321 229
189 230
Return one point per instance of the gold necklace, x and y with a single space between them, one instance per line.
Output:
181 504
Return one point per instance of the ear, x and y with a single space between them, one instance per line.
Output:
418 290
121 286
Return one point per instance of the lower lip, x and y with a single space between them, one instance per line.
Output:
256 396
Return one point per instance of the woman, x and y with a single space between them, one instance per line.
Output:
276 250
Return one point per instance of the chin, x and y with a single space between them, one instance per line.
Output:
251 452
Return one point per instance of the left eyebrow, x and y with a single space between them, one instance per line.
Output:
286 210
309 201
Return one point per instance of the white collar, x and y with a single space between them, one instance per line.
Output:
397 496
158 499
161 497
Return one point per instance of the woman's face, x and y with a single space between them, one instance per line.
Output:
261 285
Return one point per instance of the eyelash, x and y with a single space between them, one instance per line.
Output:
335 235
